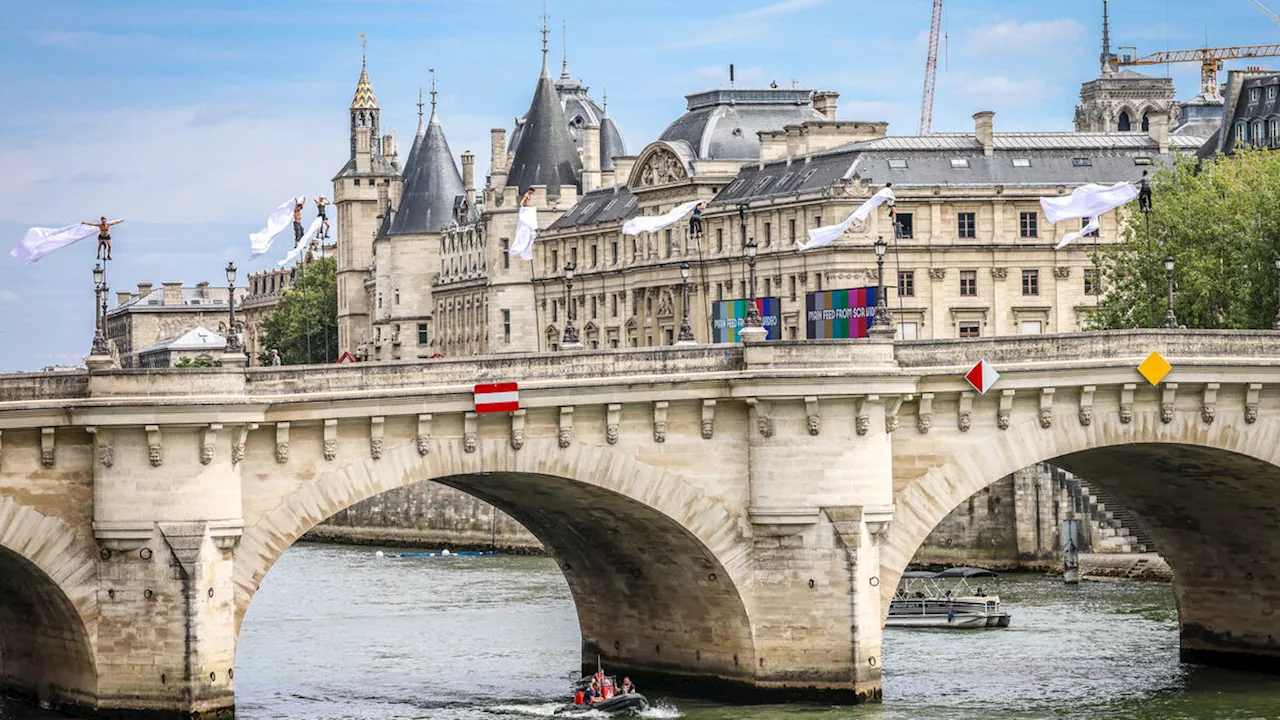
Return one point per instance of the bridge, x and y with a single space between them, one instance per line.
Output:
729 518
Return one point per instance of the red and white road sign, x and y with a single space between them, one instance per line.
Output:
497 397
982 376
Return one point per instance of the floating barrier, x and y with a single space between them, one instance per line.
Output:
442 553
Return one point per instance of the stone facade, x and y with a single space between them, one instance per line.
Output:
150 315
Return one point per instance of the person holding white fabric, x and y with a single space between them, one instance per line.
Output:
104 235
297 222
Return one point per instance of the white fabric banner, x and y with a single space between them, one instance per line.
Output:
1087 201
302 246
526 231
1089 227
654 223
38 242
827 234
277 221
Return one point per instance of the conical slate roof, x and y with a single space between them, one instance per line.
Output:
546 154
364 98
431 183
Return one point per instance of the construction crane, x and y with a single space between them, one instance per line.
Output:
1210 60
931 71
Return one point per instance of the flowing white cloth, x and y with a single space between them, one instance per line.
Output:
277 221
1087 201
827 234
1089 227
38 242
654 223
526 231
303 244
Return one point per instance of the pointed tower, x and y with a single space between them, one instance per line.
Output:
1107 59
546 154
432 183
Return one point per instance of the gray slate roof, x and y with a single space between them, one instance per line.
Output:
1242 108
432 183
724 124
605 205
545 154
197 338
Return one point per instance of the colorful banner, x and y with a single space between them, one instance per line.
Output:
728 317
839 313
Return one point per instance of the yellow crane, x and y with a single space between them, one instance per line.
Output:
1210 60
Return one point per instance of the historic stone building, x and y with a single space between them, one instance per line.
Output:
152 315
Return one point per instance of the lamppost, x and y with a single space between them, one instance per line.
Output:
883 327
233 340
100 346
571 341
686 332
1276 325
1170 322
753 330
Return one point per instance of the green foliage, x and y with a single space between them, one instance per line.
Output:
190 362
1220 222
304 324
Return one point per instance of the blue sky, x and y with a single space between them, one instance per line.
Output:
193 120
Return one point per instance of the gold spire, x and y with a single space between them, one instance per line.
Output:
364 98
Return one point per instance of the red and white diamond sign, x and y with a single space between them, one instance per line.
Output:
982 376
497 397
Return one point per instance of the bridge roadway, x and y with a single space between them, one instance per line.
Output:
730 519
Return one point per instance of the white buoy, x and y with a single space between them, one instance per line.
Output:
445 552
378 554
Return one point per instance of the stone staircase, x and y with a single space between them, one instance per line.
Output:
1115 528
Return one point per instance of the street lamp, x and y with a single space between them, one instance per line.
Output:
571 341
1170 322
233 340
686 332
883 326
100 346
753 329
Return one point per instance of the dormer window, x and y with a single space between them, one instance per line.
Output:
1254 93
959 162
1142 160
898 163
1022 162
1081 162
1271 92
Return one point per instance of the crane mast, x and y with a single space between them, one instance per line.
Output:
931 70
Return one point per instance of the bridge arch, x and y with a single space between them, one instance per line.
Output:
654 564
48 607
1205 490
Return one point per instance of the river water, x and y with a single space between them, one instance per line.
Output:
337 633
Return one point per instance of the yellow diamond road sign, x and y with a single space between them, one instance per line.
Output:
1154 368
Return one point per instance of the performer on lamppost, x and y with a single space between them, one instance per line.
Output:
1144 193
297 222
104 235
321 203
527 200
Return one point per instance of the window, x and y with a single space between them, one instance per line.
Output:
613 252
671 243
1254 94
1273 129
1271 92
906 225
1022 162
555 261
1091 281
966 223
356 181
671 336
555 310
1142 160
593 307
959 162
906 283
1146 123
969 330
817 221
1027 222
1031 327
397 297
1030 282
613 343
595 256
817 277
1125 125
768 234
573 256
1081 162
1084 222
968 283
1258 135
1242 132
719 239
768 287
792 283
792 227
422 333
379 301
613 306
635 248
897 163
506 257
908 331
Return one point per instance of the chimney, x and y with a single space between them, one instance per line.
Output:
825 103
123 297
497 158
792 140
590 157
622 165
388 147
468 170
172 293
1158 122
144 289
984 128
203 289
607 178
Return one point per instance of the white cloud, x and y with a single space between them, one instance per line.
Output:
9 296
1013 37
741 26
997 91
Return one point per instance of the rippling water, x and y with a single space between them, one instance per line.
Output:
337 633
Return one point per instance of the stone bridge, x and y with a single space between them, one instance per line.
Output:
729 518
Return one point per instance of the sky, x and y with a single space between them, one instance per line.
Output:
193 120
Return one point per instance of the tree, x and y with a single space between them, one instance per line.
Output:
1220 221
304 324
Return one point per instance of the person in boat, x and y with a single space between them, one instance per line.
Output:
627 687
593 693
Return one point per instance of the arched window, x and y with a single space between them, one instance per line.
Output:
1242 133
1273 130
1258 135
1146 123
1124 125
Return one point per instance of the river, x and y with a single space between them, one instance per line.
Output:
337 633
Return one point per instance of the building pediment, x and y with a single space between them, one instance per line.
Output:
662 163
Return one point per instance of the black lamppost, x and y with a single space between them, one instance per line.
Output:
883 326
233 340
686 332
1170 322
1276 325
100 346
570 332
